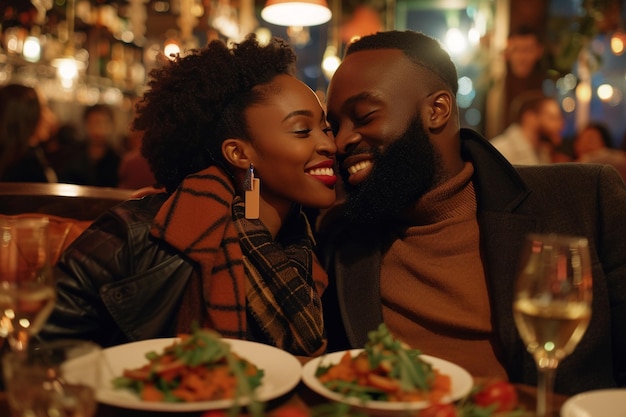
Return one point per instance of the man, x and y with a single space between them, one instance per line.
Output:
523 56
430 234
536 133
524 70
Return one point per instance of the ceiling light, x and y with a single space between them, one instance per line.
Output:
296 13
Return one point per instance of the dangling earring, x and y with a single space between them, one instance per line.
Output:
252 187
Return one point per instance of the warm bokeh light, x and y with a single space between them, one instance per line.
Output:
112 96
568 104
605 92
161 6
32 49
12 42
473 35
67 70
455 41
296 13
617 43
127 36
583 92
264 35
331 62
171 49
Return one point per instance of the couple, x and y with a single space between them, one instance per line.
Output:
427 239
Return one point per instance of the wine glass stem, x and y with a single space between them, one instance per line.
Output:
545 386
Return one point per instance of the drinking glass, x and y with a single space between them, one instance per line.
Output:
53 379
27 292
552 303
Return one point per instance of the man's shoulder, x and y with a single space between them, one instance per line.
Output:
569 176
560 169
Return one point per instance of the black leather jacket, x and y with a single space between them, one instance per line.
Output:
118 284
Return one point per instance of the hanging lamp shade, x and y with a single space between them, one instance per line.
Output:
296 13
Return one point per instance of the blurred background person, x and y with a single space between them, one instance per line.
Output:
134 172
525 71
26 123
99 151
551 126
65 155
523 56
535 135
593 144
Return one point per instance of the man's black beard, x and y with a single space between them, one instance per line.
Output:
401 174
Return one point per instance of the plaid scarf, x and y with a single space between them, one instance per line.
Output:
285 282
280 285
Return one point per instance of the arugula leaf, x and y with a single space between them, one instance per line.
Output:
399 362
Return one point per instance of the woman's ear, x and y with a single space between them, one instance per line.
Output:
237 152
440 109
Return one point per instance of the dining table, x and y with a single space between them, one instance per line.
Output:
301 397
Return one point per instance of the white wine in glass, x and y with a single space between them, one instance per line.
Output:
552 303
60 378
27 292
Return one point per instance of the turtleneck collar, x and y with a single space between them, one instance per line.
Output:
453 198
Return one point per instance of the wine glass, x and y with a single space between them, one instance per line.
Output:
552 303
27 292
59 378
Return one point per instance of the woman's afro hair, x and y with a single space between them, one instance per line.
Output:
196 101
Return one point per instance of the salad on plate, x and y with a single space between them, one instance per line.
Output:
385 370
196 367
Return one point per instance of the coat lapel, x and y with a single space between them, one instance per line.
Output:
504 221
502 239
357 267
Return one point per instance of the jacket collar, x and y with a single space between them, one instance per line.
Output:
504 222
497 183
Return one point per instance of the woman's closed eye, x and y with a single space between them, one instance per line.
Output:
303 132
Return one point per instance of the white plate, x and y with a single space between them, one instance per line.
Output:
282 373
599 403
462 383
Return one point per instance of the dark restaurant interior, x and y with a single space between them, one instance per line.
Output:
141 239
116 41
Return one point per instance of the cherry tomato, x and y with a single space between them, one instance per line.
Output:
289 411
497 392
439 410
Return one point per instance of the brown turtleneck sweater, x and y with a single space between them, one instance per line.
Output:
433 286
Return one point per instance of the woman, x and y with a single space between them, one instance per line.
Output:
214 122
26 123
